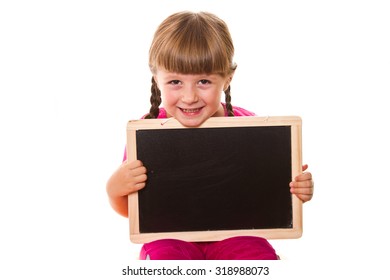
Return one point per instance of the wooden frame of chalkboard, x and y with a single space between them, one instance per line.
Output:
228 177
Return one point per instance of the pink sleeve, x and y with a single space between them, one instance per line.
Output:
125 155
239 112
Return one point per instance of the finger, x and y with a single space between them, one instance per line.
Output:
304 197
302 184
132 188
138 171
303 177
139 179
134 164
304 167
139 186
301 190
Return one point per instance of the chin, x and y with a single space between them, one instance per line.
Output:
191 122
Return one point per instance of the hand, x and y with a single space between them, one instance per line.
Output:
303 185
130 177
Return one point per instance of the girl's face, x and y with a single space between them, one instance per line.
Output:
191 99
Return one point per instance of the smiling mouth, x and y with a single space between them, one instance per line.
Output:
191 111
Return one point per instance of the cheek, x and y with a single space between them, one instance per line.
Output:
215 96
168 98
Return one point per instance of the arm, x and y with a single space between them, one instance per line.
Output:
128 178
303 185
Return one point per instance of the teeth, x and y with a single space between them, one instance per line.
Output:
190 110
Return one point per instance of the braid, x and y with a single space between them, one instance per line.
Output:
228 99
155 100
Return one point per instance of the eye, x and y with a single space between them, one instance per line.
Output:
204 82
174 82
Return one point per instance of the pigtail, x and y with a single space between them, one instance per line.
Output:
155 101
228 99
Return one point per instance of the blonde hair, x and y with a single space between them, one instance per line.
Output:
191 43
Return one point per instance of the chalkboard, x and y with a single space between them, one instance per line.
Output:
228 177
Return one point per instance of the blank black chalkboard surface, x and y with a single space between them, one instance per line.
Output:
228 177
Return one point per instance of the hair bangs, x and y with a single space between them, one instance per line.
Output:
193 58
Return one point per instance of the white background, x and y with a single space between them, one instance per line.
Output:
72 73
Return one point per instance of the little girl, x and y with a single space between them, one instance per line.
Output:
191 59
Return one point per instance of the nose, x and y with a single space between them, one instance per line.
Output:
189 95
